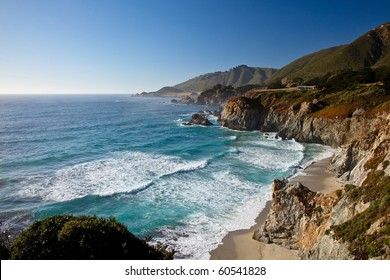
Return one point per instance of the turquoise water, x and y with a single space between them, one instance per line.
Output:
132 158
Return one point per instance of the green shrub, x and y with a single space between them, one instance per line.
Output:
375 190
82 237
4 252
339 193
383 75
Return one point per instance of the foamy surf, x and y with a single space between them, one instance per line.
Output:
127 172
203 231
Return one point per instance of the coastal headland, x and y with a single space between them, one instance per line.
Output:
313 213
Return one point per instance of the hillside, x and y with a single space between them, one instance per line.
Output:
372 49
165 91
238 76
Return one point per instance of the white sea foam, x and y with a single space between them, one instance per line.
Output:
267 159
220 211
278 144
232 137
124 172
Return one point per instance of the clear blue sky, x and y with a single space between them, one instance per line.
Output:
118 46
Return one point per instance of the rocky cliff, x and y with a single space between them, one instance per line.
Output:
243 113
355 222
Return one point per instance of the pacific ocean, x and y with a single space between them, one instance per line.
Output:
132 158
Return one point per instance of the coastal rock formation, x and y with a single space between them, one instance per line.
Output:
199 119
296 218
352 223
188 100
217 95
327 226
243 113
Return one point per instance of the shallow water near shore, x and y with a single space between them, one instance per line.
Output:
131 158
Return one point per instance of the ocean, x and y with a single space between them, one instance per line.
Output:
132 158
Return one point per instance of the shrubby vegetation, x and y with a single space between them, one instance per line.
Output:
4 252
364 243
348 78
83 238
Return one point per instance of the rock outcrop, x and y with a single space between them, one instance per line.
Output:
243 113
188 100
298 218
199 119
217 95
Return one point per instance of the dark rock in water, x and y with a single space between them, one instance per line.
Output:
199 119
174 101
187 100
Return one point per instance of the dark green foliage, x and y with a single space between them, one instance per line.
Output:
243 89
383 75
275 84
4 252
82 237
339 193
376 191
344 79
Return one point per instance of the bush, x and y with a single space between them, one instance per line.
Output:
383 75
82 238
4 252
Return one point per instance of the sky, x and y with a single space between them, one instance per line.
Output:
130 46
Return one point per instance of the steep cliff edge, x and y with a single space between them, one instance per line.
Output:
355 222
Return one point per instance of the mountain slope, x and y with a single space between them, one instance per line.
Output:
238 76
165 91
369 50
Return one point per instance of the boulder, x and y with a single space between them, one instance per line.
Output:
199 119
187 100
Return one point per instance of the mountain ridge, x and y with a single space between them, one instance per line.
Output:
370 50
238 76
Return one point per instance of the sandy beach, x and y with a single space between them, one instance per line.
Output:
239 245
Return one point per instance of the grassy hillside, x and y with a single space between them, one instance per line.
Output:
369 50
348 92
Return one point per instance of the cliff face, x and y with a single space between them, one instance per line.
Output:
217 95
326 226
298 218
242 113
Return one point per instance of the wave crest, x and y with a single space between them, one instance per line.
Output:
129 172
